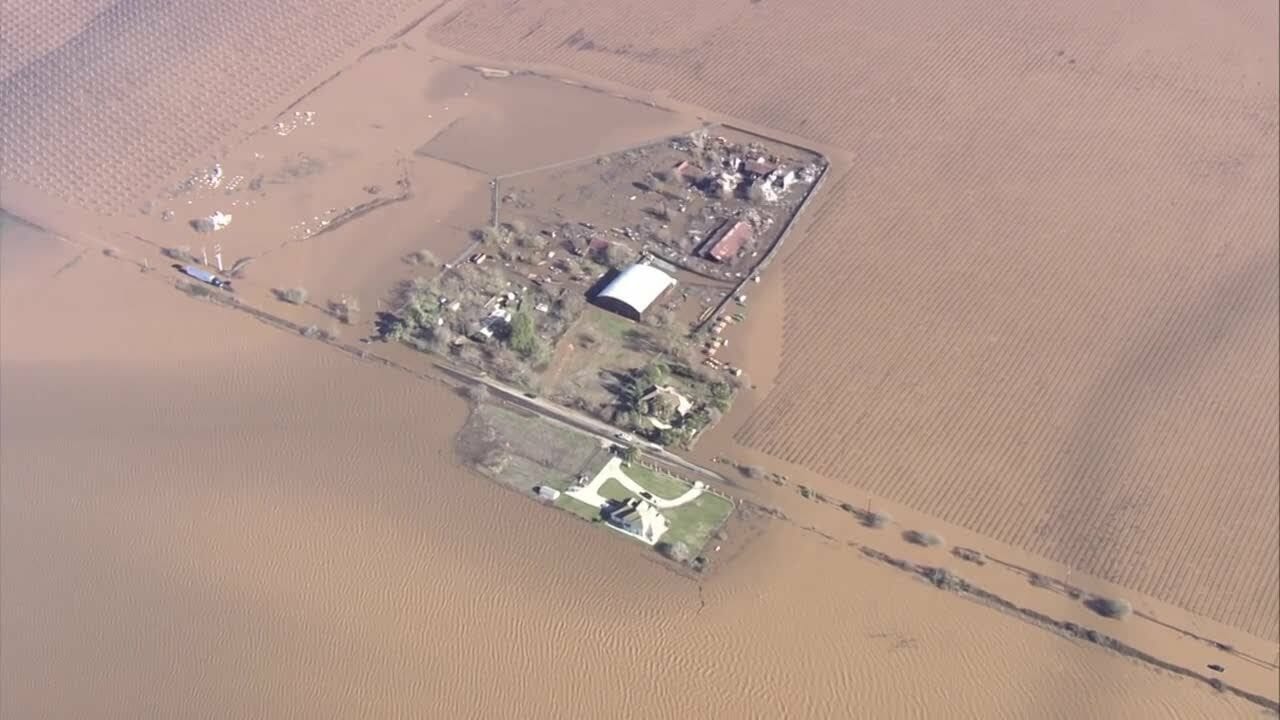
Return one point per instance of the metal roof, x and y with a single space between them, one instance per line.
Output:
638 286
729 244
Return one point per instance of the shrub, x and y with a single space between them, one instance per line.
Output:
524 336
1114 608
488 235
877 519
755 472
677 551
1040 581
923 538
181 254
344 308
944 579
970 555
421 257
477 393
615 255
293 296
111 252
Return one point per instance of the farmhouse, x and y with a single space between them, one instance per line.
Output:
639 518
634 290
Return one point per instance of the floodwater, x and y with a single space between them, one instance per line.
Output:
203 516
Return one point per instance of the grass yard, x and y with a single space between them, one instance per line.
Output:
577 507
660 484
694 522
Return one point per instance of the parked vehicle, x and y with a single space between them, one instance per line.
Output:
206 277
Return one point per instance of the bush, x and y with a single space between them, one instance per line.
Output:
293 296
310 331
944 579
181 254
524 336
344 308
488 235
754 472
969 555
676 551
421 257
1114 608
111 252
923 538
477 393
877 520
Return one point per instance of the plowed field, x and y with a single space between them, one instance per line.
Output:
96 109
1042 300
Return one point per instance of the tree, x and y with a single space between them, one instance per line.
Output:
615 255
630 454
524 336
664 406
654 373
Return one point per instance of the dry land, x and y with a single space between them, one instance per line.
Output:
528 453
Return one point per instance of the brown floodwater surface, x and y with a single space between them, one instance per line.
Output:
203 516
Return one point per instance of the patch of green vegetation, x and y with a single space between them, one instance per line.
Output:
615 326
577 507
660 484
693 522
613 490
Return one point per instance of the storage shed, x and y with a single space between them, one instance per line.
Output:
634 290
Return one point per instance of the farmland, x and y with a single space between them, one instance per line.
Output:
1051 258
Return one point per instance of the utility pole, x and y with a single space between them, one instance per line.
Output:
205 254
217 255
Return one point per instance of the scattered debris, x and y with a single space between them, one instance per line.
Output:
211 223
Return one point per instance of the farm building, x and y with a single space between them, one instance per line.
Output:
634 290
639 518
727 247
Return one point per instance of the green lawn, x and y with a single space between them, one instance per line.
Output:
660 484
613 490
615 326
693 522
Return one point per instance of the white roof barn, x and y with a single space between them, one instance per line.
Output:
634 290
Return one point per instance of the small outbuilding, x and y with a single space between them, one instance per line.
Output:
727 247
634 290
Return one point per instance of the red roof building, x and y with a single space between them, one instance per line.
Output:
727 247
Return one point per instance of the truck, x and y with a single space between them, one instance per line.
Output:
206 277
